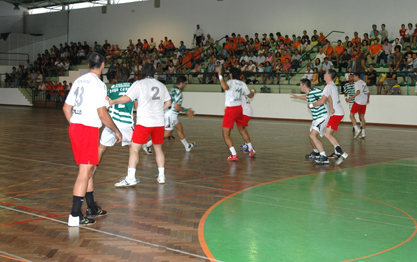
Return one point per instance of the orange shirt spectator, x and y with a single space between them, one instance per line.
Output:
356 39
322 38
257 45
375 48
339 49
297 44
145 46
228 46
166 43
234 39
233 45
328 50
197 54
287 40
280 38
241 40
188 59
285 57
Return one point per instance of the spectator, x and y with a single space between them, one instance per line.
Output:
383 33
414 37
261 70
410 67
328 50
408 34
260 59
152 45
360 66
308 74
244 57
376 37
253 58
198 35
327 64
296 60
402 34
345 44
315 80
356 38
322 39
314 43
370 76
106 45
374 51
386 50
286 67
211 69
209 39
344 60
397 62
8 80
338 51
321 55
270 59
32 79
390 80
372 33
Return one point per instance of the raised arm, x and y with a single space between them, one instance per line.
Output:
302 97
225 86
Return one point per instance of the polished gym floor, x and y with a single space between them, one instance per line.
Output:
276 207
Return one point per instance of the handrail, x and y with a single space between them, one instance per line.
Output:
5 53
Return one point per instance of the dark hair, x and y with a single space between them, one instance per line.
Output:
181 79
235 72
148 70
95 60
357 74
122 74
332 73
306 82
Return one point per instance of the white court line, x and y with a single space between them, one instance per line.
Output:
268 204
115 235
10 255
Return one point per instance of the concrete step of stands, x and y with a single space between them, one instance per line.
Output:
25 93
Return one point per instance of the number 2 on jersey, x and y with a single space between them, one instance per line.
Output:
155 95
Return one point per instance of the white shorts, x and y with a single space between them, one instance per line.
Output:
171 120
109 138
320 125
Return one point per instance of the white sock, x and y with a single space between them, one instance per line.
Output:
149 144
232 150
315 151
323 153
250 147
356 128
131 173
184 142
363 132
161 171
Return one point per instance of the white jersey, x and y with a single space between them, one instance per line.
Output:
88 93
234 94
362 98
331 91
151 95
247 109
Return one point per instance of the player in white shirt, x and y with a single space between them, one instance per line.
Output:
86 110
234 89
361 97
153 99
331 94
247 113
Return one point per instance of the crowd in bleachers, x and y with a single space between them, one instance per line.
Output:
262 59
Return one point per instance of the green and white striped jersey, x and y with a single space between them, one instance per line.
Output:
176 97
122 113
349 89
313 96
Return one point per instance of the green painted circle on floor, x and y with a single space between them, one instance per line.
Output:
305 219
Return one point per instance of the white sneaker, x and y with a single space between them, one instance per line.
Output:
125 181
362 136
148 150
357 133
161 179
190 146
341 158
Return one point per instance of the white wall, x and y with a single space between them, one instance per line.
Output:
11 20
12 96
177 19
381 110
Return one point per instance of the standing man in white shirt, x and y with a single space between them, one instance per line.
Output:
153 99
247 114
361 97
234 89
337 113
198 35
86 109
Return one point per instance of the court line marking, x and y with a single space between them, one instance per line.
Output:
115 235
13 257
210 256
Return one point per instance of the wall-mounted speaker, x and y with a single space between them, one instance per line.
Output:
104 9
157 3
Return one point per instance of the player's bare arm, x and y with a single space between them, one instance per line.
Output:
107 121
167 104
321 101
355 95
302 97
225 86
120 100
331 109
252 93
68 111
369 94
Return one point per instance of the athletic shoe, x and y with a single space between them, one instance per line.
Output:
233 157
244 146
334 156
357 133
190 146
313 155
252 153
125 181
322 160
95 212
362 136
80 221
147 149
171 137
161 179
246 150
341 158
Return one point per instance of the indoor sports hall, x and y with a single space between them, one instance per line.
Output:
276 206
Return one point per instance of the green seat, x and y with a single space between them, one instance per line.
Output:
403 83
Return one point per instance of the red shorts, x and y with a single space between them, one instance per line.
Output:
334 122
233 114
84 142
246 120
358 108
141 134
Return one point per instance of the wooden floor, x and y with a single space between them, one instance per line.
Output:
149 222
